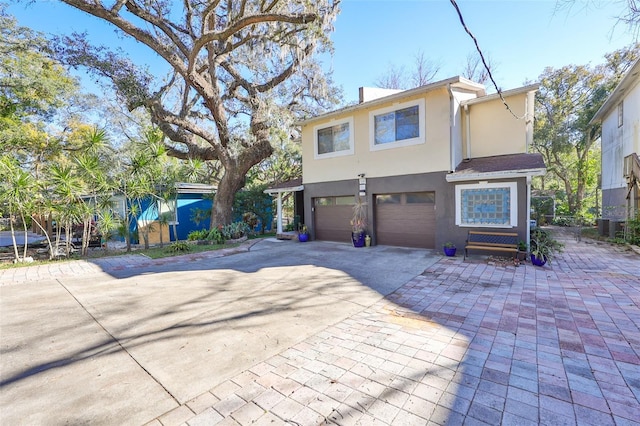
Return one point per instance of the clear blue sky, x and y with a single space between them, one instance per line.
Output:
521 37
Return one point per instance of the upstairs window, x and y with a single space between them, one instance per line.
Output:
334 140
620 114
398 125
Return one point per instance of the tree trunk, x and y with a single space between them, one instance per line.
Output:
222 210
26 236
13 238
46 234
86 234
127 232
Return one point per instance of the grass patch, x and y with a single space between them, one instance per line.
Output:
592 233
168 251
153 252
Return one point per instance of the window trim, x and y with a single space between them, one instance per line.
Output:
620 113
174 201
333 123
513 197
421 139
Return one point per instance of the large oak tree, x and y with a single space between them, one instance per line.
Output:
236 67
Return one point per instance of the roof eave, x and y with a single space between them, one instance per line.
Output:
506 174
512 92
614 96
279 190
460 81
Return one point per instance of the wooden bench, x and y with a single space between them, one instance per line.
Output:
494 241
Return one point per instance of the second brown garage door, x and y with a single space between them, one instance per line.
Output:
333 218
407 219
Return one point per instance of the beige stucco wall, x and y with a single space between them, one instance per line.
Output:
154 233
431 156
494 130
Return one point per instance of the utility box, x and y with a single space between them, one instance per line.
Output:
603 227
615 227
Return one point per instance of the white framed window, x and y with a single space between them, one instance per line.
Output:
398 125
620 114
334 139
490 205
168 207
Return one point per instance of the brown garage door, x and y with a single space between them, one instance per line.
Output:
333 217
407 220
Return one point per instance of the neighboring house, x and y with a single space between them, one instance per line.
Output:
431 163
190 211
620 118
191 198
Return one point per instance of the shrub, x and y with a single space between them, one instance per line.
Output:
251 220
543 245
200 234
215 235
563 221
178 246
235 230
632 230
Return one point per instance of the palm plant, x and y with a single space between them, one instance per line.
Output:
66 189
106 224
18 191
543 245
163 220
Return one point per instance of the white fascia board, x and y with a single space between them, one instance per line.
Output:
505 94
509 174
458 81
279 190
194 188
620 91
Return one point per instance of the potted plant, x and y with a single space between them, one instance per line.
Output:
449 249
359 223
522 250
303 233
543 247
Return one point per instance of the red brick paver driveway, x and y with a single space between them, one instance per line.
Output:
464 343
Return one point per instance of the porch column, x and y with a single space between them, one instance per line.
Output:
528 215
279 217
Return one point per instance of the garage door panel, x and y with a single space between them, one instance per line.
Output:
333 222
408 225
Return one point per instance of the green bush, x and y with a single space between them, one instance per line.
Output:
632 230
563 221
543 245
215 235
235 230
178 246
200 234
251 219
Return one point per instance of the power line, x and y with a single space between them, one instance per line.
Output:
484 62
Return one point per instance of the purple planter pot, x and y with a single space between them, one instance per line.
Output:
536 261
449 251
303 238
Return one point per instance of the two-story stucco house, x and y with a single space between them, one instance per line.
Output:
620 118
431 163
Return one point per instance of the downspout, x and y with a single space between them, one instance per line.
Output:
451 124
468 121
530 105
279 222
528 215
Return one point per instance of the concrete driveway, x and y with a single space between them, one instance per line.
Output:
124 340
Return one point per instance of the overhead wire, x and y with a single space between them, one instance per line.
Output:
484 62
